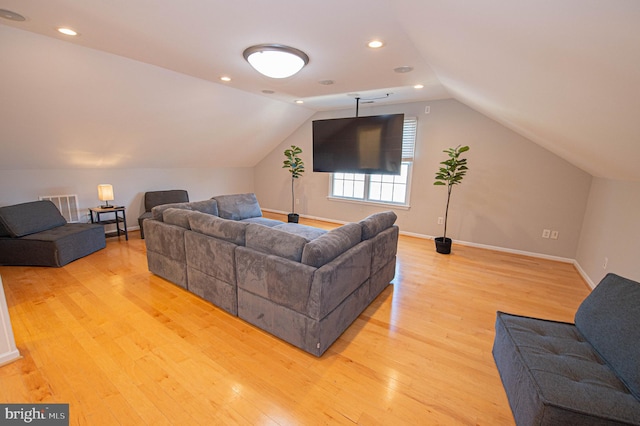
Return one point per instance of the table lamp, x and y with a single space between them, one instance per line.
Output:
105 193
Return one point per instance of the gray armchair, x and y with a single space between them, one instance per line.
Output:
156 198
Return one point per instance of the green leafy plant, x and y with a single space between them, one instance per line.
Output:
451 173
296 168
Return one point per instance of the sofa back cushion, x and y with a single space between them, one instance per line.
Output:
238 206
29 218
609 319
156 198
275 241
327 247
227 230
374 224
205 206
178 217
157 212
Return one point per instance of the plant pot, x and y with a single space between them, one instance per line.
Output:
293 217
443 245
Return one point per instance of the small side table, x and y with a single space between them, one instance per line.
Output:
120 218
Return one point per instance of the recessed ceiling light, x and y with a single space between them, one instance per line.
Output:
299 101
403 69
12 16
326 82
268 92
225 78
67 31
375 44
419 86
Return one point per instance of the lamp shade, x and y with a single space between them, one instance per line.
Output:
276 60
105 192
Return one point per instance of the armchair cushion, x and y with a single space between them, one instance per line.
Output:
156 198
29 218
608 319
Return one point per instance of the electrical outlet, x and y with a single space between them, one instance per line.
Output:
297 200
605 263
440 220
546 233
554 235
427 109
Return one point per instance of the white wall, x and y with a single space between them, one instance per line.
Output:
129 185
513 190
8 350
611 230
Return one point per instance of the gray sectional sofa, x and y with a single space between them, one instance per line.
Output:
587 373
302 284
36 234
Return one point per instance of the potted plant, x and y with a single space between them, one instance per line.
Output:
296 168
450 173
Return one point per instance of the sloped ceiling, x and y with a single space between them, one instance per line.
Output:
140 86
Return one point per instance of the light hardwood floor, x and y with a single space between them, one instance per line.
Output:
123 346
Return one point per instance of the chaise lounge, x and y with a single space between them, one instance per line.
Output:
36 234
587 373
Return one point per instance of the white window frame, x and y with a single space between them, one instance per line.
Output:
343 186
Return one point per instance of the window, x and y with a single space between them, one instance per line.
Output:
376 188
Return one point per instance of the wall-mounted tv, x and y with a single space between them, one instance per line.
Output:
371 145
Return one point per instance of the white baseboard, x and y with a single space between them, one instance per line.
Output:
584 275
574 262
9 357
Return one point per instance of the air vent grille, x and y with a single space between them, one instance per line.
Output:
67 204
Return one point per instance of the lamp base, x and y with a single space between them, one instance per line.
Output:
107 206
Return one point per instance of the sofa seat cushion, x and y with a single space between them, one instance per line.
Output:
29 218
610 319
238 206
275 241
305 231
332 244
553 376
374 224
54 247
228 230
262 221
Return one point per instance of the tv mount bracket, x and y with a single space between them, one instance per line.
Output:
368 101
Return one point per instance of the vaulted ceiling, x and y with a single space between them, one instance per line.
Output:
140 86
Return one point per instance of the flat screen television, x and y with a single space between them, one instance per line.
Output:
371 145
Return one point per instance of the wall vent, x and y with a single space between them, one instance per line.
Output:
67 204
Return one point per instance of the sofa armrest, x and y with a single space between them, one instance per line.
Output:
336 280
282 281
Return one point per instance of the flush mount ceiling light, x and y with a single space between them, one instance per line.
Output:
276 60
12 16
404 69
